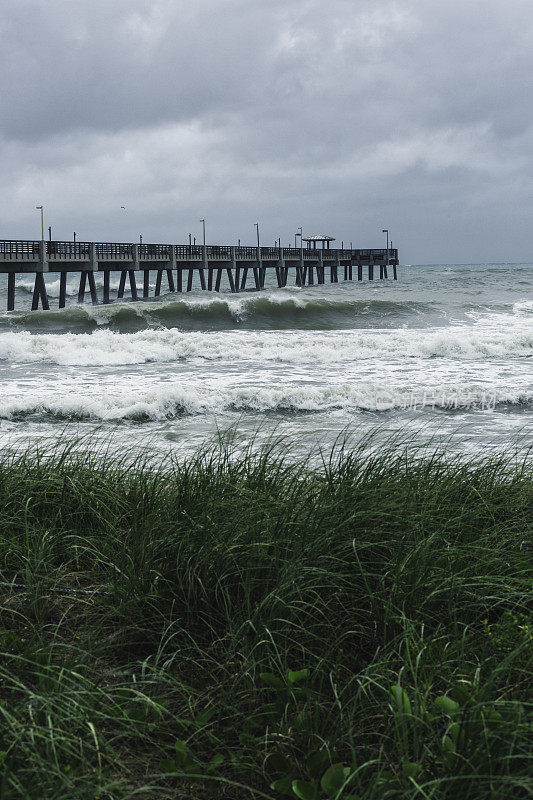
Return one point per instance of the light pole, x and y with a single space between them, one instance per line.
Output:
386 230
257 229
203 227
40 208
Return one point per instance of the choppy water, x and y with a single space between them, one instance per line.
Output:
447 351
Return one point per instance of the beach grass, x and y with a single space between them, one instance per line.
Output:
240 625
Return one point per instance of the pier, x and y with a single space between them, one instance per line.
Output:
181 267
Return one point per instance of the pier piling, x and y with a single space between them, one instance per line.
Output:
133 284
92 288
122 284
106 299
39 293
10 291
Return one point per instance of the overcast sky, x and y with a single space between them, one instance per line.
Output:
345 117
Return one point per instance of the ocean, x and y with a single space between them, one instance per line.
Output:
444 355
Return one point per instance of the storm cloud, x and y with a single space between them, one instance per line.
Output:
341 116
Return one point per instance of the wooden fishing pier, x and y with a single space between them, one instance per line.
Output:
184 267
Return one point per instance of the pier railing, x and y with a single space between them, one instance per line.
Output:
24 249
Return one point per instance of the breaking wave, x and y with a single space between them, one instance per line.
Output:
277 310
169 403
106 347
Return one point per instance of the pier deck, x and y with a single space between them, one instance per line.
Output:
181 264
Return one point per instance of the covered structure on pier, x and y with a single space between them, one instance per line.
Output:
319 237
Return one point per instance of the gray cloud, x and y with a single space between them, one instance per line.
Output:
345 116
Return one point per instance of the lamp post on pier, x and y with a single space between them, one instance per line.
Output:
257 229
40 208
386 230
204 249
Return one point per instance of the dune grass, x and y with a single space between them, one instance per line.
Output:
241 626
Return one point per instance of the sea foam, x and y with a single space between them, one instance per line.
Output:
170 402
105 347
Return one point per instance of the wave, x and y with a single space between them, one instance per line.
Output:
167 404
276 309
106 347
523 307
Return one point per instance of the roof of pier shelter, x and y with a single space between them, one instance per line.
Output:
319 237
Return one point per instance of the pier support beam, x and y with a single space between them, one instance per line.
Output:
158 279
133 283
39 293
10 291
81 288
92 287
105 299
244 276
300 279
229 272
237 269
86 275
172 266
146 283
370 272
122 283
320 268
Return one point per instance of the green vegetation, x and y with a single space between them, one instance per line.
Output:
240 626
